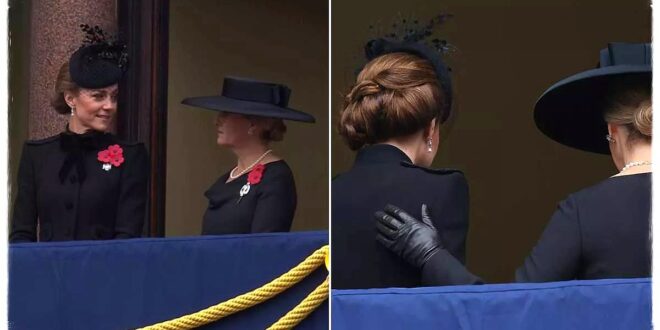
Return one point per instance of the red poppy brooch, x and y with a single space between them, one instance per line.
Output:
254 177
113 156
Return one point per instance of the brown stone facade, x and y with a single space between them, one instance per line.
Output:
54 35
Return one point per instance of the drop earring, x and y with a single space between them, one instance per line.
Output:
72 111
610 139
429 145
251 131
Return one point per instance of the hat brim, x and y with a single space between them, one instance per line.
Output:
226 104
571 111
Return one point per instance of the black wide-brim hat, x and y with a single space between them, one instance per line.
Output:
571 112
382 46
251 97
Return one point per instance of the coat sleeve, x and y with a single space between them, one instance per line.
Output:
444 269
24 218
556 256
276 205
131 210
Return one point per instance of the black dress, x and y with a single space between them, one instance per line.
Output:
65 192
599 232
269 206
383 174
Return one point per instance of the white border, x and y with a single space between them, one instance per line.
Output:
655 227
330 157
4 158
4 165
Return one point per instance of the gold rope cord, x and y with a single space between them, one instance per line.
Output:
259 295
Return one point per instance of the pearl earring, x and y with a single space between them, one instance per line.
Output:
610 139
429 145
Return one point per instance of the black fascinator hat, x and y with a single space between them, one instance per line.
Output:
101 60
418 39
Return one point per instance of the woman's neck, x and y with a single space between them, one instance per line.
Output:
247 156
76 127
409 145
640 152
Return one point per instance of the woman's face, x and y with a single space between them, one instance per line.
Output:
233 130
93 109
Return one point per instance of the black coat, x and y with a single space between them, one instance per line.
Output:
269 206
599 232
383 174
64 191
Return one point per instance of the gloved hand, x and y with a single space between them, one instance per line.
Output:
413 240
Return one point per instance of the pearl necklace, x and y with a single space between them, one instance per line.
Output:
231 174
633 164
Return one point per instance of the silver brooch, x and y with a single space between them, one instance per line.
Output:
244 191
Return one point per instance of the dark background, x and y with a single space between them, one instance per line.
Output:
509 52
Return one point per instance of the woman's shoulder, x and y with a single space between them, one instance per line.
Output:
112 139
611 192
276 175
437 174
40 148
131 145
277 179
44 141
278 168
619 184
132 148
404 173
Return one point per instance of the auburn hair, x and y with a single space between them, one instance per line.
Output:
395 94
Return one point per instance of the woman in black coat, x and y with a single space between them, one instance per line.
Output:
259 194
602 231
84 183
394 116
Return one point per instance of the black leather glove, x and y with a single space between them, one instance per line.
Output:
413 240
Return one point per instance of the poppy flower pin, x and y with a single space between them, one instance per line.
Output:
113 156
254 177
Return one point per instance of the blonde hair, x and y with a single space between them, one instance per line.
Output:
631 106
272 129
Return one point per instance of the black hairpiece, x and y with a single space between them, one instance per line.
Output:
100 61
411 30
110 48
409 36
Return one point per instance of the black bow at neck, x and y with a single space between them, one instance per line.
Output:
76 145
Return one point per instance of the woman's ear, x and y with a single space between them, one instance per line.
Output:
252 126
612 129
430 130
70 99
